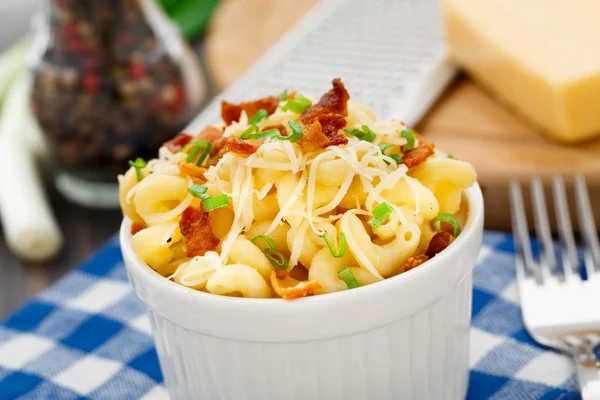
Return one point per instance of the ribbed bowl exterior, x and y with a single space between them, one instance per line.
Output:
422 356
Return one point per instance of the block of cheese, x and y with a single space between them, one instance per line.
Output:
540 57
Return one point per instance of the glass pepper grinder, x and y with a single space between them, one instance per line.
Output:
112 81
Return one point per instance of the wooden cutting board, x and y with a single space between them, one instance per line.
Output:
466 121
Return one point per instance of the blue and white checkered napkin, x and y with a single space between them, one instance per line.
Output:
88 337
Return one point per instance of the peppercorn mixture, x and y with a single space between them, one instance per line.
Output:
106 87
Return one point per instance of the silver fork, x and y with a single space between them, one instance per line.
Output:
560 310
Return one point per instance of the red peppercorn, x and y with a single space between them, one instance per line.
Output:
178 104
72 30
136 69
91 83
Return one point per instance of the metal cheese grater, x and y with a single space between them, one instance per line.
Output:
390 55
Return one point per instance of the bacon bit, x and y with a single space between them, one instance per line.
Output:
240 146
415 261
417 155
210 133
177 143
313 137
279 127
232 112
333 102
331 125
197 234
289 288
136 227
438 242
192 170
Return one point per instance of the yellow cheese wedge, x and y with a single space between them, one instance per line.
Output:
541 57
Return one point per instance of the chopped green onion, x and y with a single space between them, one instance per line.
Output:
265 239
272 254
259 116
271 133
342 240
296 131
199 191
138 164
395 157
196 147
248 132
284 95
380 214
451 156
276 258
409 135
212 203
366 134
298 105
347 276
448 218
369 134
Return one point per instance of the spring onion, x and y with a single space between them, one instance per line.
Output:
284 95
384 147
138 164
265 239
380 214
199 191
451 156
347 276
212 203
366 134
196 147
276 258
409 135
271 133
259 116
297 105
248 132
341 239
296 131
272 254
448 218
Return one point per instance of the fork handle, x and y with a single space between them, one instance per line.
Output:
588 373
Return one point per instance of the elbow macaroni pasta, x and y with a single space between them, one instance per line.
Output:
292 198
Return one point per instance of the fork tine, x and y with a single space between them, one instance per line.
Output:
587 226
565 229
542 228
524 258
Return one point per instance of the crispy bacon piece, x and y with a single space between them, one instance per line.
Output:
136 227
197 234
289 288
177 143
331 125
415 261
210 133
313 137
438 242
241 146
279 127
323 132
192 170
231 112
333 102
417 155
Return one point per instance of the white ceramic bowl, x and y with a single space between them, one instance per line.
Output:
402 338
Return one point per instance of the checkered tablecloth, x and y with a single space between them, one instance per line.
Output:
88 337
